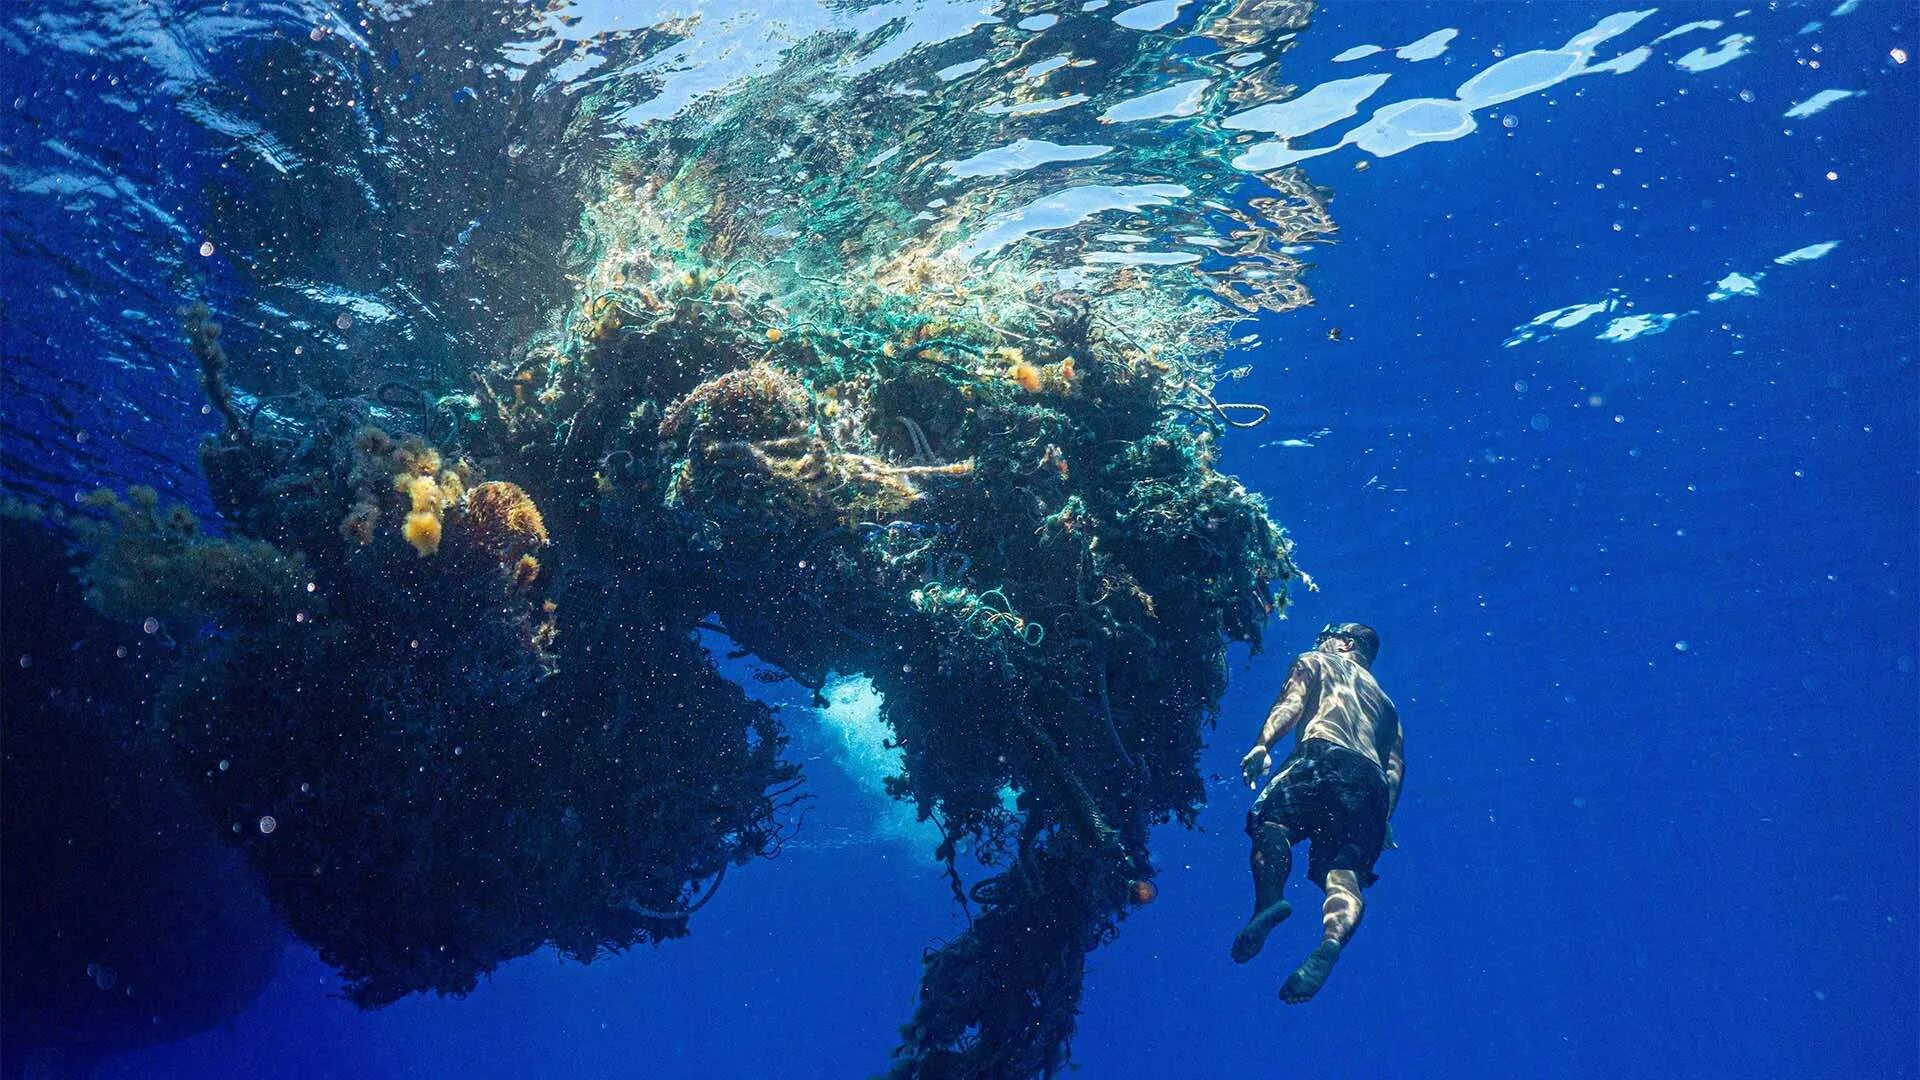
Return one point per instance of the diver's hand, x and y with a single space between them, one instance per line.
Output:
1254 765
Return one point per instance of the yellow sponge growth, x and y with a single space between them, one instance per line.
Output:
427 498
422 530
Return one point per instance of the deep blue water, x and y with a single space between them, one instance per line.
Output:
1648 609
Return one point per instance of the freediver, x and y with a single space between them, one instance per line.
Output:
1337 789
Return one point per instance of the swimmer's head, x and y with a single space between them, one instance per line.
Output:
1356 641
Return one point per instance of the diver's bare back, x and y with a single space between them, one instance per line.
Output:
1343 704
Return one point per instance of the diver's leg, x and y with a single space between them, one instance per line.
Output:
1272 862
1339 917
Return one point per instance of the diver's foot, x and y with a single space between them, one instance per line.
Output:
1310 976
1248 942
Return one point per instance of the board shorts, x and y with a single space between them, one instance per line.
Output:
1334 797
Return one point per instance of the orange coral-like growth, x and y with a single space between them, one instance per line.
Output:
526 572
427 497
422 530
1026 376
502 519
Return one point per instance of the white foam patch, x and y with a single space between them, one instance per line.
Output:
1688 28
1325 104
1736 284
1045 67
1273 155
1038 22
1180 99
1628 327
1427 47
1063 210
1547 323
1731 48
1625 62
1019 157
1819 102
954 71
1807 254
1034 108
854 720
1358 52
1151 16
1403 125
1846 7
1141 258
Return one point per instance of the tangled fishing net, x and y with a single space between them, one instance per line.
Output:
817 385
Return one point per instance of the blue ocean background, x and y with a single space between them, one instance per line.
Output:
1648 609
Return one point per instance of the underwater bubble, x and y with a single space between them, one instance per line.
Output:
299 616
267 825
1681 646
317 34
306 788
1899 55
206 248
1509 121
1519 386
225 764
120 653
1539 422
345 321
1746 95
152 625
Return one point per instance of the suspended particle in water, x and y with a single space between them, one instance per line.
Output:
1539 422
151 626
1899 55
267 825
1746 96
317 34
206 248
1832 175
344 321
1681 646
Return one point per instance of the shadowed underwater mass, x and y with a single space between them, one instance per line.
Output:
911 384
